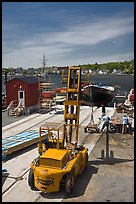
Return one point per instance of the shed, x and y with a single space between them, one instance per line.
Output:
24 89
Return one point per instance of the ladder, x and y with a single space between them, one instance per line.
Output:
72 105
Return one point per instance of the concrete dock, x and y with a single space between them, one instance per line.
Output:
102 181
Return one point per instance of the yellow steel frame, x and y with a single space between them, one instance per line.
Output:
49 127
72 104
71 109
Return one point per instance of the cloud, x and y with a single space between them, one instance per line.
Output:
61 43
90 33
33 58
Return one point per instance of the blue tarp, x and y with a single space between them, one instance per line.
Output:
12 141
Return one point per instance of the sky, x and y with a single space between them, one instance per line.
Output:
68 33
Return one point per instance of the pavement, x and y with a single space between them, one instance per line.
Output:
103 180
107 179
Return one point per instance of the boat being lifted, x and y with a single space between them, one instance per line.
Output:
97 95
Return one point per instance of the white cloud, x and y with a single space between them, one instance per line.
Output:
90 33
56 44
33 58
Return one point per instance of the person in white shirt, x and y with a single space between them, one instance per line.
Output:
125 123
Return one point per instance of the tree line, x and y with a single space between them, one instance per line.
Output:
127 67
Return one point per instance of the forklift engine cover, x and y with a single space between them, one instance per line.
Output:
52 168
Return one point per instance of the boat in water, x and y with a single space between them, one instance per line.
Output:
97 95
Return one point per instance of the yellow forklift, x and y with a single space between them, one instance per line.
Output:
61 159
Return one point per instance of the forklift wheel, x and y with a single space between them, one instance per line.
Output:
31 179
70 180
86 161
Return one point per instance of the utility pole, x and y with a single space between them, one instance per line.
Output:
107 142
109 154
44 62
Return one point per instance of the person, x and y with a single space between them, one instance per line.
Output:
106 120
124 125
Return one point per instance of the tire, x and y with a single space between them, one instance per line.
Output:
102 153
31 179
86 161
69 183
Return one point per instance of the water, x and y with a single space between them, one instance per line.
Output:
124 82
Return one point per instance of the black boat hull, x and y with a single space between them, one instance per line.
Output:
97 96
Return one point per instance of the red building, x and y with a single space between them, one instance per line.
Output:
24 89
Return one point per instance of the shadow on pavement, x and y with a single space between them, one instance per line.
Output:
110 161
59 112
20 152
4 177
83 180
79 188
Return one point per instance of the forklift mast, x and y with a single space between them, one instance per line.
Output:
72 105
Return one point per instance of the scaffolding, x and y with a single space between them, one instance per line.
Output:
61 92
46 97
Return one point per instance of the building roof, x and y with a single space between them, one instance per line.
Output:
29 79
